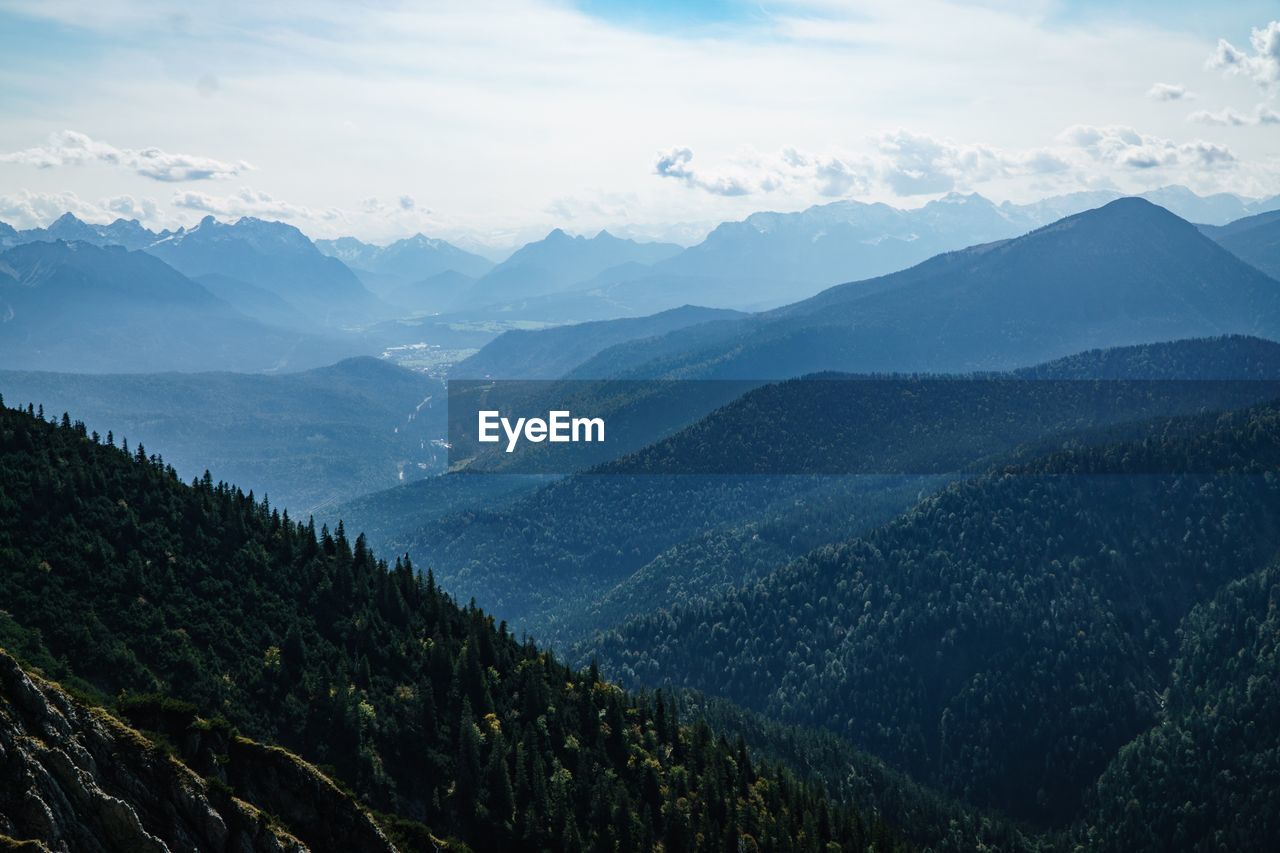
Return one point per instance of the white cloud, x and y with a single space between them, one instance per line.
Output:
675 164
128 207
1262 66
916 163
907 163
1227 117
250 202
1169 92
27 209
751 173
72 148
1116 145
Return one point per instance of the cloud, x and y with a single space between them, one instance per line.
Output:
1227 117
72 148
403 208
751 173
908 163
128 207
249 202
1262 66
598 205
1116 145
27 209
675 164
1169 92
917 163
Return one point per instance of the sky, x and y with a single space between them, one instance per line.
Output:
491 123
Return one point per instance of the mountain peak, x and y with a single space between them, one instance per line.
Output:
954 197
1130 209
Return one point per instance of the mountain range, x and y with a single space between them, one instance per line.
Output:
277 258
83 308
1126 273
559 261
419 273
271 272
769 259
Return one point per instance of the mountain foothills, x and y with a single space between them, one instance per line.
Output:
126 582
777 472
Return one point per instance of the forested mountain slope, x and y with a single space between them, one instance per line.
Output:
125 580
1038 602
738 493
1202 777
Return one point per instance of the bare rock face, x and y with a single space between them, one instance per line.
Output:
74 778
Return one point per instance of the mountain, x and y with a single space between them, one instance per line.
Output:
413 259
278 258
79 778
80 308
435 294
551 353
559 261
1040 601
1255 239
305 439
175 603
254 301
769 258
1126 273
841 241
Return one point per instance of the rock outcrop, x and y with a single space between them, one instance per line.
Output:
74 778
